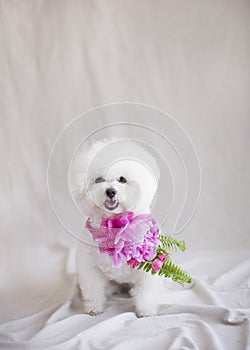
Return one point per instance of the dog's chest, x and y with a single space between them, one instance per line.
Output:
122 274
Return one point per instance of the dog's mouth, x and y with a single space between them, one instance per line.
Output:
111 204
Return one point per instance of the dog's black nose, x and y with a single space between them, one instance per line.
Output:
110 192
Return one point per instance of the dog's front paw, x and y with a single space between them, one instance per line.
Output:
146 313
93 313
146 310
93 308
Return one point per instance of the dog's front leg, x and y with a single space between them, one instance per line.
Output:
147 295
92 282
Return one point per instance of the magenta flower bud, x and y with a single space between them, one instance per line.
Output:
163 257
157 265
133 262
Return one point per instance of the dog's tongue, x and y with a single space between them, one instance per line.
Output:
110 204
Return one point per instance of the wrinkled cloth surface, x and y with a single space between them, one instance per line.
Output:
214 313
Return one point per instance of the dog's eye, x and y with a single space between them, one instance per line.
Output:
122 180
99 179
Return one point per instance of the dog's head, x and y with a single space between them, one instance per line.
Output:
113 176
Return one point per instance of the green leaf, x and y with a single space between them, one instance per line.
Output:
140 266
175 272
172 244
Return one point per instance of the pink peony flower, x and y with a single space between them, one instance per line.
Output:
158 263
126 237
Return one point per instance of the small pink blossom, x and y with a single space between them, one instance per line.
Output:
163 257
158 263
133 262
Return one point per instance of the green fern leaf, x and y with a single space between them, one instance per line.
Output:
175 272
172 244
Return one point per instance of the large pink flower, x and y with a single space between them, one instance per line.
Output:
125 237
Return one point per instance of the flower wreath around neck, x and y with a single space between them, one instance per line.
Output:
137 240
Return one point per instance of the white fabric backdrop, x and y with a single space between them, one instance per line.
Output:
58 59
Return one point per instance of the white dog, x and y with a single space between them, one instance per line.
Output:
106 178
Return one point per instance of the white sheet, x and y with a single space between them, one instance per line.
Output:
60 58
213 314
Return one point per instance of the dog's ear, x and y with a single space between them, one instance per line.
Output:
156 169
78 177
79 190
150 160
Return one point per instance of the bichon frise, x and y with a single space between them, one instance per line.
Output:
106 178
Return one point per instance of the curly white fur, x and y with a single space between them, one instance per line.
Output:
108 161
